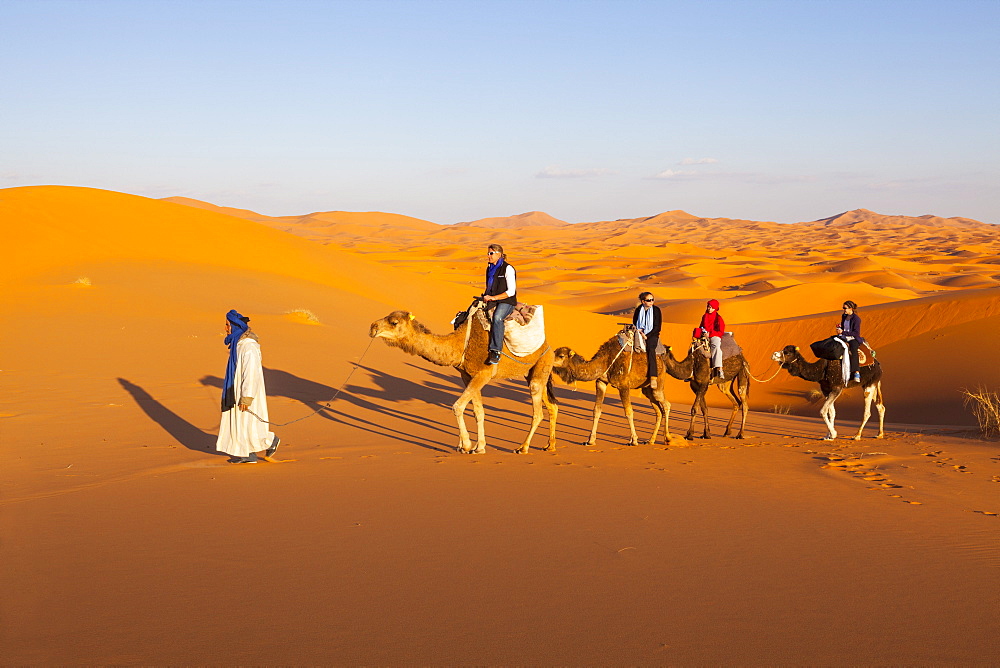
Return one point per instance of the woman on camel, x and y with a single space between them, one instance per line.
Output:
501 286
647 319
849 331
713 326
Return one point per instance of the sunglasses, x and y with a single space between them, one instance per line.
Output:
648 300
492 253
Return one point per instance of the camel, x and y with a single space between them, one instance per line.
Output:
697 369
623 370
466 349
831 382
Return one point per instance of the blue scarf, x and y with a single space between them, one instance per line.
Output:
491 271
238 327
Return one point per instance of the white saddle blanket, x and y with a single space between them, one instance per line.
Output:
521 339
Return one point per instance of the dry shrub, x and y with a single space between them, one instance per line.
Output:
83 280
781 409
985 406
812 396
304 315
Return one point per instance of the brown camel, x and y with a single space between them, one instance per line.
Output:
831 382
466 350
697 370
612 365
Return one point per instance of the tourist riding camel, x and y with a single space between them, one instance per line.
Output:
616 363
697 368
849 331
501 286
465 349
647 320
713 328
830 376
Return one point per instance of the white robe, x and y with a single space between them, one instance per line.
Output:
240 433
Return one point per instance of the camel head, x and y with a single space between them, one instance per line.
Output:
786 355
564 356
396 328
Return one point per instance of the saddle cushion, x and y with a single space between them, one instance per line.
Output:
632 341
521 339
729 347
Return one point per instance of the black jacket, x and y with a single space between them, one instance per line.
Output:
657 319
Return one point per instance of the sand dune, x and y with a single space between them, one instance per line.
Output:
369 541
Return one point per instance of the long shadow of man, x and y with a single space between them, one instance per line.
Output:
188 435
315 395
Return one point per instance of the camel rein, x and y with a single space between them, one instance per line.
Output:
322 407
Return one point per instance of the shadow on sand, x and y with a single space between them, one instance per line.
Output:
188 435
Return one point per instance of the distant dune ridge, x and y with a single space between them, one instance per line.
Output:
378 540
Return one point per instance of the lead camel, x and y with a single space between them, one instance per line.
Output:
466 349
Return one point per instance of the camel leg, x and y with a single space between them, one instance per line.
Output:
626 394
694 411
829 414
703 405
472 389
537 389
743 393
880 407
657 410
480 413
601 390
553 410
727 389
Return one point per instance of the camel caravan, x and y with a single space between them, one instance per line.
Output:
499 338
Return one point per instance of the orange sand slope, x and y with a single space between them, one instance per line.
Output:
369 541
911 276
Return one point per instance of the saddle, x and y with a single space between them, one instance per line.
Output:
524 328
631 340
729 347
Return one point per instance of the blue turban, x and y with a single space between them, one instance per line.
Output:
238 327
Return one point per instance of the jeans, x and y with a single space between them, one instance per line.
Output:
500 311
715 349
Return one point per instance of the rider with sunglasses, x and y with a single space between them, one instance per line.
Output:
501 286
647 319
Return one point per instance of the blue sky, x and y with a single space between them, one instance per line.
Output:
453 111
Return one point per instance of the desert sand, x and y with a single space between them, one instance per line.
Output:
126 539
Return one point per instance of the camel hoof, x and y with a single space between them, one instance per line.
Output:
707 437
880 436
464 451
478 451
740 436
521 451
551 448
858 437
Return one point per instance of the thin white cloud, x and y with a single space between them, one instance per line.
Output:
557 173
698 161
674 174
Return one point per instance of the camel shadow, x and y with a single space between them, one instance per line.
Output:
317 397
185 433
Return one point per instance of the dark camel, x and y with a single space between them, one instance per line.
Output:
831 382
465 349
697 367
623 370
